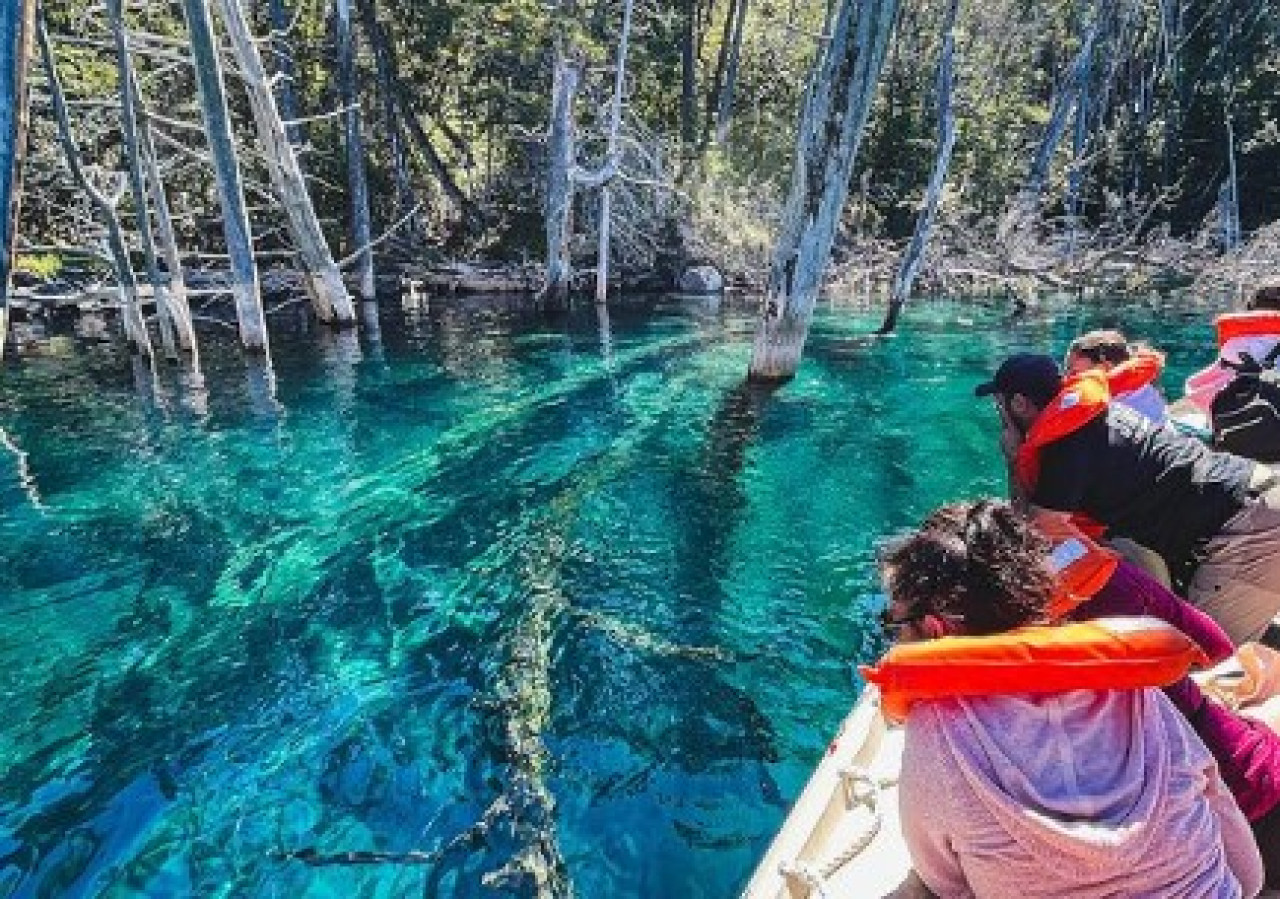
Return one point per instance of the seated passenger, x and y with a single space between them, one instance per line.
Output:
1108 349
1255 331
1096 583
1082 793
1213 517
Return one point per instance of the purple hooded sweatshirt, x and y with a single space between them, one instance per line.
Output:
1087 794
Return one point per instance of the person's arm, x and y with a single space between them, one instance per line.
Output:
1131 591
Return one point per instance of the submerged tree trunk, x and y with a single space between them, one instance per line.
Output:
615 123
135 328
835 113
559 208
235 218
357 180
17 18
328 292
137 183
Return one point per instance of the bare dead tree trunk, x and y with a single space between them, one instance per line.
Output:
688 75
137 184
470 212
235 217
724 108
282 56
560 187
17 21
1230 192
831 126
130 310
380 45
947 129
357 179
615 123
1065 100
328 292
717 78
179 307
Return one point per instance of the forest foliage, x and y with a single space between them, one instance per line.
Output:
1177 95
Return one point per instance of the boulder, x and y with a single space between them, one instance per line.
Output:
700 279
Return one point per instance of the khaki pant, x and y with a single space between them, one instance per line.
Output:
1238 583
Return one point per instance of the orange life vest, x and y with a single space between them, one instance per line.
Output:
1081 565
1102 654
1264 322
1136 372
1083 398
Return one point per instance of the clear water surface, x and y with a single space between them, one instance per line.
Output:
500 604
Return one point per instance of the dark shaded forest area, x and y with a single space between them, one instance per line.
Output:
1023 145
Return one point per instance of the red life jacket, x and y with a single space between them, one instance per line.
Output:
1264 322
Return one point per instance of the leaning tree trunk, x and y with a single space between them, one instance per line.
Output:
911 259
135 328
724 109
1064 102
328 292
560 161
357 180
615 123
380 45
16 25
137 184
286 72
235 218
179 307
834 116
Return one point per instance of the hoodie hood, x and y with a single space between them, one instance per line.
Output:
1086 777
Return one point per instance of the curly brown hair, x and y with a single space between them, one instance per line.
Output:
981 563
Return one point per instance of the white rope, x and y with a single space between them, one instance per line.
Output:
860 788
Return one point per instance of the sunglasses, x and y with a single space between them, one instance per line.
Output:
892 628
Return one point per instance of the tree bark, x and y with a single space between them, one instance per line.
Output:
1065 100
615 123
947 129
282 56
560 187
179 307
131 313
357 179
137 184
380 44
834 117
17 21
724 109
328 292
688 76
235 218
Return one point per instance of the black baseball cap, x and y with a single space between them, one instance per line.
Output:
1033 375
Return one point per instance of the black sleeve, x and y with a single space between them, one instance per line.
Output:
1064 473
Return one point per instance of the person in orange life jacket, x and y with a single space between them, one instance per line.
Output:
1094 582
1255 331
1082 793
1213 517
1107 350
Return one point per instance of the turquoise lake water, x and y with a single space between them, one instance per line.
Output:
535 606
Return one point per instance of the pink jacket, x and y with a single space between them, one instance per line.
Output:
1085 794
